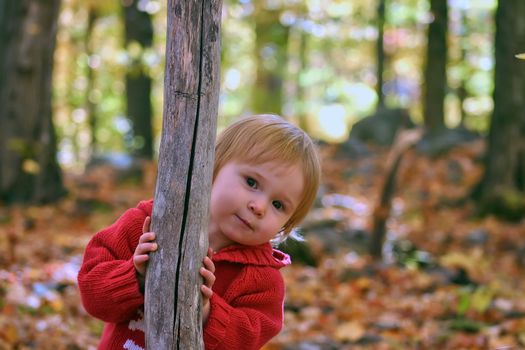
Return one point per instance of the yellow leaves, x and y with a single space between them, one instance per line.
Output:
9 333
521 56
482 298
475 263
521 338
478 299
455 259
363 284
57 305
350 331
30 166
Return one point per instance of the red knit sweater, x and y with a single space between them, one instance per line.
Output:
246 309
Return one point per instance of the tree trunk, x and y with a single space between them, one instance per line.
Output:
436 66
405 140
139 30
302 48
91 109
271 44
504 177
181 209
29 171
462 92
380 52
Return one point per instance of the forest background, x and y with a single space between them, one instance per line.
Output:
419 110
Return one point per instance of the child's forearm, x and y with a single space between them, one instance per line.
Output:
107 278
110 291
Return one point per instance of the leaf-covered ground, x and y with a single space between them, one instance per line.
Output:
449 280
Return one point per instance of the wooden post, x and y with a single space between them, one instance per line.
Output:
180 213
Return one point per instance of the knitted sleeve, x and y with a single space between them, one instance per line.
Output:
107 282
252 317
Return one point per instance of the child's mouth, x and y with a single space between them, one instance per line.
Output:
246 223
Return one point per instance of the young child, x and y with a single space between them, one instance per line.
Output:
265 179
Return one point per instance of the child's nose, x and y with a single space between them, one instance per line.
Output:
257 207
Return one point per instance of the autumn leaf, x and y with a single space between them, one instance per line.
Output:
10 333
351 331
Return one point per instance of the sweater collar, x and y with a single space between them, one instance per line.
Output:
260 255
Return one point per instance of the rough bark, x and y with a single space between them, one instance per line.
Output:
29 171
180 213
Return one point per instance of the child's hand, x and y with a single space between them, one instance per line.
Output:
145 246
208 274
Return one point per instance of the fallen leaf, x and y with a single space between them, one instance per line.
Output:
350 331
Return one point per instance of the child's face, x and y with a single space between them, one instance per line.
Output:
250 203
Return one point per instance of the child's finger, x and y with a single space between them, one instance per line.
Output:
145 248
208 264
147 237
209 277
206 292
139 261
145 226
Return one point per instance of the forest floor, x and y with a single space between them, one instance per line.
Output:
449 279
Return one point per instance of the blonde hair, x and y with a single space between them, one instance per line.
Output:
262 138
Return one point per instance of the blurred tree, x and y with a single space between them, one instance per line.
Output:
298 62
380 52
29 171
301 88
462 91
91 109
501 190
435 69
271 40
138 38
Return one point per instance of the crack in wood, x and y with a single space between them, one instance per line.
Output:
190 96
198 96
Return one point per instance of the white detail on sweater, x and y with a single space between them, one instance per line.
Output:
130 345
137 324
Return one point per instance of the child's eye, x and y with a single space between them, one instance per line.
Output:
251 182
278 205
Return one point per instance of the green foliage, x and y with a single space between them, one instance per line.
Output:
104 7
477 299
330 61
466 325
407 254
